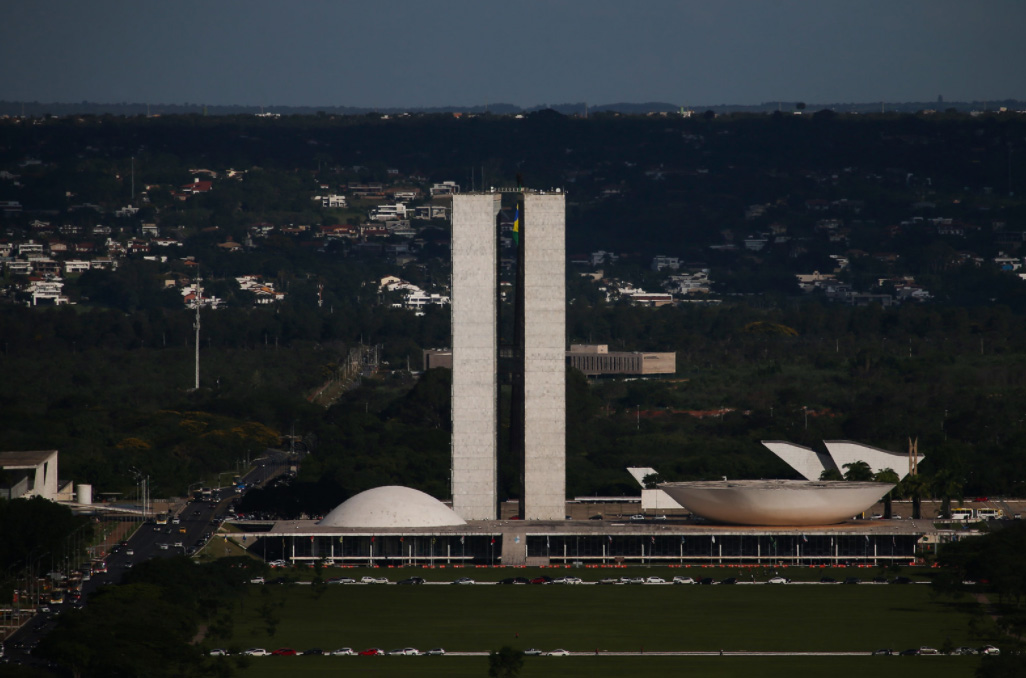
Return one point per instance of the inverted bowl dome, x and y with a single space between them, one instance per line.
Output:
392 506
776 502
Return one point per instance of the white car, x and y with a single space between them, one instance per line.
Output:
343 652
374 580
464 580
256 580
779 580
567 580
683 580
162 546
655 580
557 653
632 580
990 649
218 652
928 650
435 652
257 652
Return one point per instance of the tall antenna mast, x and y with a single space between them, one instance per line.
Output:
199 299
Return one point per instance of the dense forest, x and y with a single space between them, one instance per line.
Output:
108 380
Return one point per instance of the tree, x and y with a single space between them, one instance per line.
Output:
915 488
505 662
887 475
858 471
831 474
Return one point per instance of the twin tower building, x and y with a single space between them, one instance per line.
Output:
535 358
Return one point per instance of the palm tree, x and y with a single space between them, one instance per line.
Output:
915 487
858 471
947 486
887 475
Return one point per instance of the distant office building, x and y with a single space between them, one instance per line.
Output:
596 360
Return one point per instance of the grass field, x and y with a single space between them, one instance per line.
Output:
618 667
583 618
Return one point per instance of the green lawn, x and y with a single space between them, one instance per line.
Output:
583 618
617 667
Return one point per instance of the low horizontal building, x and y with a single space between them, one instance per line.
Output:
596 360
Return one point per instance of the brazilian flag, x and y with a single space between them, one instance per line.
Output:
516 226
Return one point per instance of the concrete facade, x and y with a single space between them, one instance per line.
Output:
544 470
596 360
475 355
30 474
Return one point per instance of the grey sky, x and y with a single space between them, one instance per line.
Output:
397 53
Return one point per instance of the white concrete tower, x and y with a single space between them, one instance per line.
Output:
474 355
544 251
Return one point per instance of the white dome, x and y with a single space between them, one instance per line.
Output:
392 506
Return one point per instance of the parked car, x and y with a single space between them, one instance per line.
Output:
655 580
901 580
827 580
372 652
705 581
729 581
637 516
886 651
778 580
313 652
256 580
532 652
632 580
342 580
683 580
343 652
542 580
928 650
218 652
909 652
435 652
411 581
557 653
513 580
990 650
374 580
464 580
609 580
257 652
852 580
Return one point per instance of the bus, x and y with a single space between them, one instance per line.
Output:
990 514
161 519
962 514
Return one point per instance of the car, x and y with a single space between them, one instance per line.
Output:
284 652
343 652
655 580
372 652
637 516
901 580
542 580
257 652
218 652
928 650
852 580
509 580
964 650
659 518
778 580
705 581
129 552
411 581
162 546
729 581
343 580
435 652
373 580
408 651
557 653
879 580
683 580
179 545
176 520
990 650
256 580
827 580
567 580
885 651
609 580
464 580
911 652
313 652
876 516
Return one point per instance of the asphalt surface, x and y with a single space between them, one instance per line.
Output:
197 522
